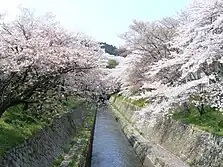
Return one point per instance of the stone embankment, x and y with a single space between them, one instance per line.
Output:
167 143
66 141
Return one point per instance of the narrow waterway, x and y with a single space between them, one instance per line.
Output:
110 146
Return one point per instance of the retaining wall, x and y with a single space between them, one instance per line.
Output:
168 142
42 149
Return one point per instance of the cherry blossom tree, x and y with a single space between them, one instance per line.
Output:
150 41
193 65
40 59
199 52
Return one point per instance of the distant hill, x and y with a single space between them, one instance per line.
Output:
110 49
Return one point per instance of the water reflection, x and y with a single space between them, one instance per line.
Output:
110 146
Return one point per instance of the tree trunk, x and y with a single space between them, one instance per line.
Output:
3 108
201 109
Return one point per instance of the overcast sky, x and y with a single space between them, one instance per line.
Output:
101 19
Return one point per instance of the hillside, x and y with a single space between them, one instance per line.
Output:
110 49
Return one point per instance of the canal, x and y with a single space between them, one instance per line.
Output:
110 146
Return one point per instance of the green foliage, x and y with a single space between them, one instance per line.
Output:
73 102
16 125
112 63
211 120
58 161
67 148
110 49
139 102
56 108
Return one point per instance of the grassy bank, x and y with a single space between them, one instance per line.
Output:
139 102
16 125
211 121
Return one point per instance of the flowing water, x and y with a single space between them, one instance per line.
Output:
110 146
